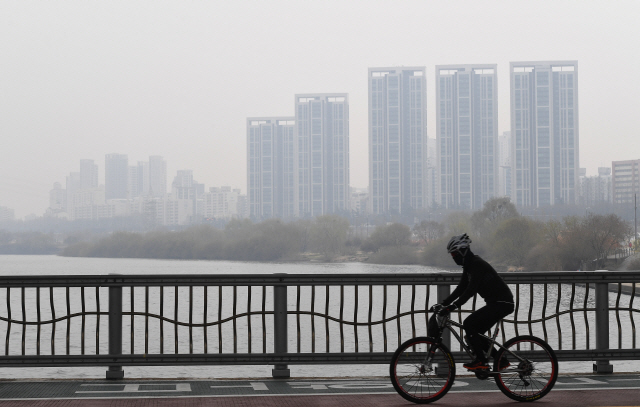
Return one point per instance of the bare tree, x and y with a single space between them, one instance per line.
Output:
603 233
458 223
552 231
514 239
429 230
495 210
329 234
305 227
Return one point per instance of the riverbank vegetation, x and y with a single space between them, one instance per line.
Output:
27 243
271 240
514 242
500 234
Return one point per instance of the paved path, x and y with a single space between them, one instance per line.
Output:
582 391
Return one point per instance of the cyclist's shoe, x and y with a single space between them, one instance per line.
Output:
504 363
476 365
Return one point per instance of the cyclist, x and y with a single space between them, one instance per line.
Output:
478 277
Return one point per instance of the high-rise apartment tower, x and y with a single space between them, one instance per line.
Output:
157 176
270 160
544 128
322 154
467 134
88 174
116 176
397 139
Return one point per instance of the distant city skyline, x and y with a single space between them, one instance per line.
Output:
298 166
179 80
127 192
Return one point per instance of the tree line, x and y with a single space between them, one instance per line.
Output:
500 234
511 241
271 240
27 243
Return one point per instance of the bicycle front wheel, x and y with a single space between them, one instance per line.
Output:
532 377
422 371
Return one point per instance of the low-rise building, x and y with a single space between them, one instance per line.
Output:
224 203
360 200
595 189
625 180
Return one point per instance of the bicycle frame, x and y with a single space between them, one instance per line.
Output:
445 322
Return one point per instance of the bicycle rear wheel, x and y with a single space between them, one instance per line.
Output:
532 378
417 378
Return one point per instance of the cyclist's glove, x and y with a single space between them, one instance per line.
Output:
436 308
447 310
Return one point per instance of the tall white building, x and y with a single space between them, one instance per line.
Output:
57 198
157 176
270 166
432 172
397 139
116 176
544 126
322 154
88 174
72 186
467 133
504 164
139 179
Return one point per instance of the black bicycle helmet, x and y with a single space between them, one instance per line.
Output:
459 243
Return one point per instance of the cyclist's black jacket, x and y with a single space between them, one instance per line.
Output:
478 277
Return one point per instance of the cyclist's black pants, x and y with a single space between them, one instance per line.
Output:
481 321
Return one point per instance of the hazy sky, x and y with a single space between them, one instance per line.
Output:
81 79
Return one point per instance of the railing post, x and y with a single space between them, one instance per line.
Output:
444 290
280 321
602 327
115 331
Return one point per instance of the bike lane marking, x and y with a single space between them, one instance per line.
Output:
632 379
352 385
582 380
136 388
257 386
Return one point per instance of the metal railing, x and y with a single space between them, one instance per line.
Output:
280 319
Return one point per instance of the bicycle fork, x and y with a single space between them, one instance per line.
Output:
427 364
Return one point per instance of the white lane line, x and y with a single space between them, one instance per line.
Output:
582 380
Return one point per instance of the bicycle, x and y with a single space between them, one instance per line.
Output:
423 369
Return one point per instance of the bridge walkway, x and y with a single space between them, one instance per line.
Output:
570 390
